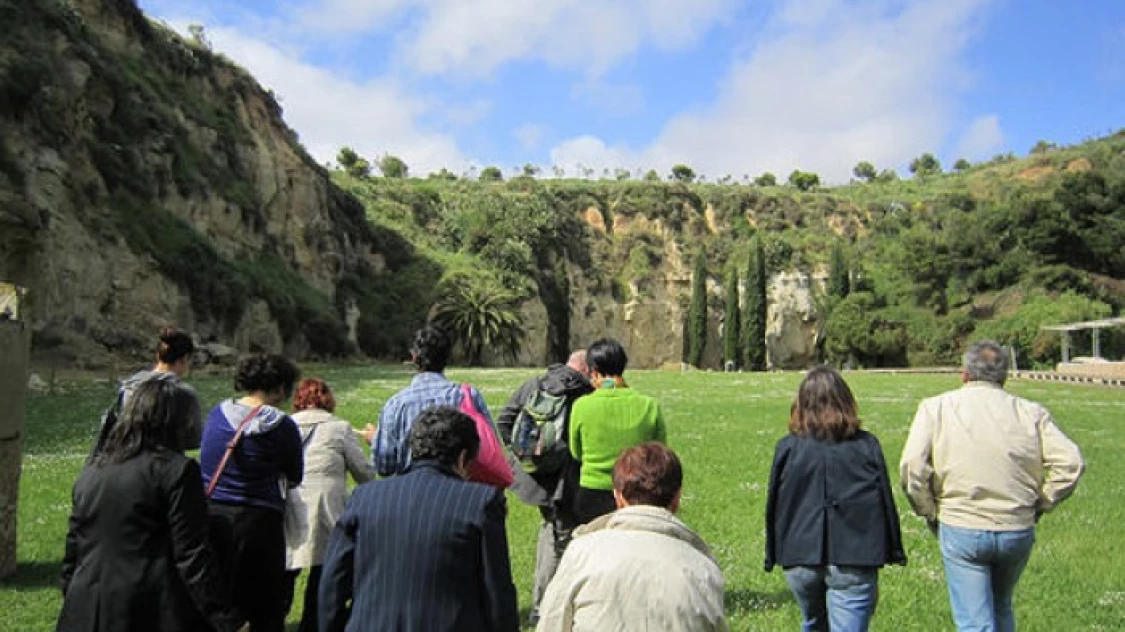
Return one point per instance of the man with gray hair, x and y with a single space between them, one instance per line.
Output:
981 466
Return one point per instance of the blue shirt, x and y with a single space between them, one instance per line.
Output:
390 450
268 457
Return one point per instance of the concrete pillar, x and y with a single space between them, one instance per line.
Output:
15 344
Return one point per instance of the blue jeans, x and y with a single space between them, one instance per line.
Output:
837 598
981 569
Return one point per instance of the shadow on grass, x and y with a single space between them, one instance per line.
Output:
745 601
34 575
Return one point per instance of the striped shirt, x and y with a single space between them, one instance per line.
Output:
390 450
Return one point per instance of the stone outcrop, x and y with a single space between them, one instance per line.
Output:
793 327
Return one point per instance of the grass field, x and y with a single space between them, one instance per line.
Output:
724 427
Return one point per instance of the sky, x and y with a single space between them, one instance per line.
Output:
728 87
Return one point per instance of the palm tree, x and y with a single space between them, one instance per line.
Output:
480 314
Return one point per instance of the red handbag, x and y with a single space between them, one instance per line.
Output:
491 465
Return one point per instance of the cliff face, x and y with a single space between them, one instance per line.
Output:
145 180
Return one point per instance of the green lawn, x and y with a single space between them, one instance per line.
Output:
724 427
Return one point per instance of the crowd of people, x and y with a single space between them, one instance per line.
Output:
160 541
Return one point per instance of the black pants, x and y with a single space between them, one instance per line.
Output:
593 503
308 613
251 543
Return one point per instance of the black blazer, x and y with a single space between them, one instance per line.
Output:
137 554
831 503
422 551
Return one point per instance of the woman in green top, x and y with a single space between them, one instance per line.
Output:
603 424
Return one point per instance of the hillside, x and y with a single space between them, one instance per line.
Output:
996 250
145 179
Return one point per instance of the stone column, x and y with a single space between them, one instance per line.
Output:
15 342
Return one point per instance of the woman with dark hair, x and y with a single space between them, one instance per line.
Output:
137 551
831 521
251 455
174 351
331 451
602 424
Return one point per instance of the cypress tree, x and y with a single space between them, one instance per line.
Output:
697 311
839 286
754 315
732 320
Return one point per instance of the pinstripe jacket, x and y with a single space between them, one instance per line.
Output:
422 551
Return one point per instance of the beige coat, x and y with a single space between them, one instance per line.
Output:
332 450
982 458
638 568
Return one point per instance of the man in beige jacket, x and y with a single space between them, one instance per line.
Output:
638 568
981 466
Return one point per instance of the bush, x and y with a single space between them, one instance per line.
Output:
1023 329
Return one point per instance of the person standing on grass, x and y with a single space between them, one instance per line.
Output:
831 521
331 452
137 551
612 418
640 567
258 448
390 447
174 350
981 466
424 550
550 489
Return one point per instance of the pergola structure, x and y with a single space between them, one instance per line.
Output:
1094 325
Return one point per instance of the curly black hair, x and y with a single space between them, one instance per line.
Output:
430 349
441 433
266 372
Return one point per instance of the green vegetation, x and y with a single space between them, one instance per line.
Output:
732 321
1073 581
352 163
683 173
925 165
865 171
697 311
481 315
393 167
804 180
491 174
754 313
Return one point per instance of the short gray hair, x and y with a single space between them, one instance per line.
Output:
986 361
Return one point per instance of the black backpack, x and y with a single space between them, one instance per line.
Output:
539 433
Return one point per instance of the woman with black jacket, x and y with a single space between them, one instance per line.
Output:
831 521
137 550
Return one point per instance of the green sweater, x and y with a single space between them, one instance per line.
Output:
604 423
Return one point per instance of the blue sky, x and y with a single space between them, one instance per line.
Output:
728 87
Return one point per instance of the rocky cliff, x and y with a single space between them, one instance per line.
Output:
146 180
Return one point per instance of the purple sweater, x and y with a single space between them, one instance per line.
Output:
268 457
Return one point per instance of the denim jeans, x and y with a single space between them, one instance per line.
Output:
981 569
837 598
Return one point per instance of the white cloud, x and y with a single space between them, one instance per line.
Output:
472 38
330 111
982 139
529 136
828 84
348 16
